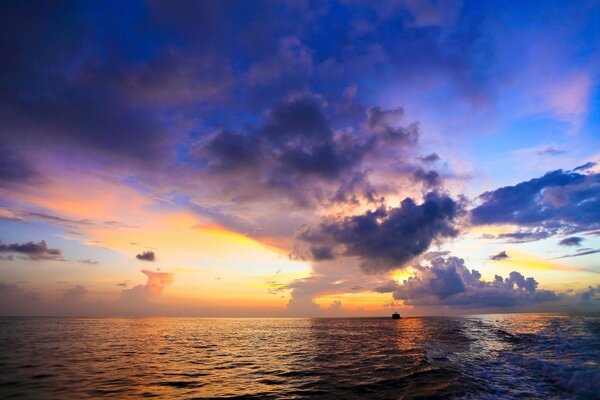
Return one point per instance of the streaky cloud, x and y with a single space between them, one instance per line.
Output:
578 254
33 251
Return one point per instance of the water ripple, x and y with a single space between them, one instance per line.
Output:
492 357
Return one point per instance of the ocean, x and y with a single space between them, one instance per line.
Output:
514 356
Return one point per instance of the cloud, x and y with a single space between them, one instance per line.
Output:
448 282
560 202
16 301
88 261
14 169
550 151
75 294
33 251
385 125
578 254
141 299
500 256
146 256
157 282
386 238
430 179
297 154
571 241
9 215
430 158
524 235
592 294
585 167
296 140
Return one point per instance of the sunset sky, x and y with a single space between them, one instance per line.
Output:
351 158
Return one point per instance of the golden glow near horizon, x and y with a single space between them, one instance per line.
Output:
215 267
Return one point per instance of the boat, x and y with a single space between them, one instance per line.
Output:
395 316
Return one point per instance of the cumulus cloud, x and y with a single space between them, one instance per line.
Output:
147 255
295 153
33 251
157 282
449 282
386 238
557 203
500 256
296 139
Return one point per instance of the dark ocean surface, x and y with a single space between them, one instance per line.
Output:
479 357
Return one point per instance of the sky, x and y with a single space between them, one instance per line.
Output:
299 159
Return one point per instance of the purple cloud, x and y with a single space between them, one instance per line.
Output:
449 282
33 251
386 238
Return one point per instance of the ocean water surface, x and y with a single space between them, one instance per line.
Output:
479 357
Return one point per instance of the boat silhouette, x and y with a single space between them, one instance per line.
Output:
395 316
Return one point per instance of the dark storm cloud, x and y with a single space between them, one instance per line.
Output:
231 151
302 141
571 241
296 152
386 238
146 256
449 282
33 251
296 140
558 202
500 256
